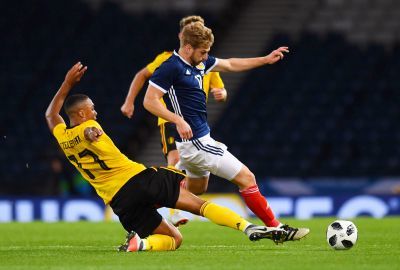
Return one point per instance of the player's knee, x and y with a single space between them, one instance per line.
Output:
250 177
178 240
249 181
245 179
172 158
177 236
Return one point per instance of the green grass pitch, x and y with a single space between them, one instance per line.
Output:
85 245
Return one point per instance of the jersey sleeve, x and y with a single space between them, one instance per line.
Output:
158 61
210 63
163 77
59 130
91 123
216 81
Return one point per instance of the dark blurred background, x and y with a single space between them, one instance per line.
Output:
328 113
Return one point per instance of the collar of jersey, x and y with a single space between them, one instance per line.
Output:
183 60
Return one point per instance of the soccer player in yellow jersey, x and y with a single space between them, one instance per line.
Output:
132 190
211 81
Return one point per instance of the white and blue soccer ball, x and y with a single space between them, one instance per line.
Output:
342 234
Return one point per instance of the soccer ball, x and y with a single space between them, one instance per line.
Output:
341 234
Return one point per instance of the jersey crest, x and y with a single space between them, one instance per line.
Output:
201 66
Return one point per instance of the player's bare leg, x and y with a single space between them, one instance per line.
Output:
175 216
197 186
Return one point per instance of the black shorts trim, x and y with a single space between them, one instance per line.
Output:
168 133
137 201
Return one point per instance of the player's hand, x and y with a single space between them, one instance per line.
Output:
75 74
219 94
127 109
184 130
276 55
93 133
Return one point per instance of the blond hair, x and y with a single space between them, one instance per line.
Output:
197 35
189 19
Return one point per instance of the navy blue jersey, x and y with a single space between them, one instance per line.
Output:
183 85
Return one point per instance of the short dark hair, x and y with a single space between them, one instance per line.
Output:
72 100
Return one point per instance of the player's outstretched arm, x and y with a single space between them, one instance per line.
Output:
242 64
73 76
137 84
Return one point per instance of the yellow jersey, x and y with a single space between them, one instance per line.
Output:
100 163
210 80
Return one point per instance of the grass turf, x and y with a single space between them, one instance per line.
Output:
85 245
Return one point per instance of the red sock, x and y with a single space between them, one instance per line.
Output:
259 205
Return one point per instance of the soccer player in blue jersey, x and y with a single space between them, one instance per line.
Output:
212 83
179 81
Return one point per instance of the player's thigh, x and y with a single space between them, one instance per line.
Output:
164 186
193 161
197 185
191 158
227 166
244 179
218 159
168 193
